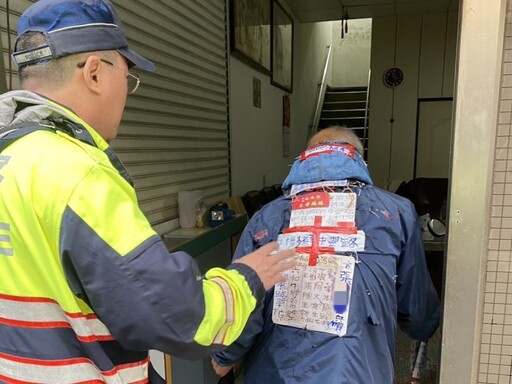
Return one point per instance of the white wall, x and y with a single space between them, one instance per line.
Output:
256 133
351 55
423 47
476 338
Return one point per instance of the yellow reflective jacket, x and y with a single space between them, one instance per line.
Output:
86 285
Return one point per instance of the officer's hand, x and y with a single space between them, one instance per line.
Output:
267 266
220 370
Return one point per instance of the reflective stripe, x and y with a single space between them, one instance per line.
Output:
6 251
5 239
46 313
230 309
16 369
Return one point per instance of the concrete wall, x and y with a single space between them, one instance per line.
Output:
256 133
477 332
351 54
489 106
423 47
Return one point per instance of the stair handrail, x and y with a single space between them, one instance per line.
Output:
321 95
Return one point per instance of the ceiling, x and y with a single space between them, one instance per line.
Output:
324 10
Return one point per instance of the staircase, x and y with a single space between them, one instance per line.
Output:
347 107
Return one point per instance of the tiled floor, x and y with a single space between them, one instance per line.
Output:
428 374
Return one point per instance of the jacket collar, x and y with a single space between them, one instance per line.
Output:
19 107
337 164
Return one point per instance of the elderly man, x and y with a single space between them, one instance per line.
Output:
86 285
361 265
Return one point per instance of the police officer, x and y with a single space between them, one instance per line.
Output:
86 285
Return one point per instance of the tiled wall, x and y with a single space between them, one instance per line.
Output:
496 344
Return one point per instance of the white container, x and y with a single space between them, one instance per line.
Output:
189 203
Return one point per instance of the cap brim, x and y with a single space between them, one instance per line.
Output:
137 60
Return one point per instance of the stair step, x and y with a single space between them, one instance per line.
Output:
360 118
346 89
334 108
346 92
348 124
359 129
362 110
348 107
347 104
341 97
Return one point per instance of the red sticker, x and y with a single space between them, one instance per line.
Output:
311 200
346 149
260 235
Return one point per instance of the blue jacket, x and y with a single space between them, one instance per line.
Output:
391 282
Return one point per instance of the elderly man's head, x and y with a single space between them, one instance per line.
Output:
337 134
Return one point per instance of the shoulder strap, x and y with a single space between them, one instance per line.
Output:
11 133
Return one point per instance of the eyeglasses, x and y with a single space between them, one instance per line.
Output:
133 79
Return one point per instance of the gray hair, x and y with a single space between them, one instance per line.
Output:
52 74
337 134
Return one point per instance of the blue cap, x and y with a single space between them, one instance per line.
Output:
74 26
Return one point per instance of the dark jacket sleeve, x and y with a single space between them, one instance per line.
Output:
263 228
147 297
418 302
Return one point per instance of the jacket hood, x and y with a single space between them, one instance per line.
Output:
18 107
338 164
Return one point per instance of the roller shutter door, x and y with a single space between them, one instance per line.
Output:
174 134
